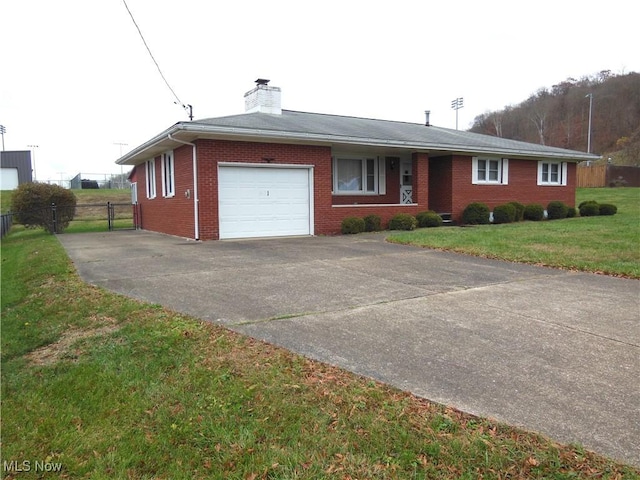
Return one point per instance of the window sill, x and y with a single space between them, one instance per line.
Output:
365 205
355 194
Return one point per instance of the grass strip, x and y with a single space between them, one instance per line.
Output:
103 386
602 244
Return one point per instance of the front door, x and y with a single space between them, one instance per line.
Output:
406 181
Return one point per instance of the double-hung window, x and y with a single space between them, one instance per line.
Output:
168 179
150 174
359 176
487 170
552 173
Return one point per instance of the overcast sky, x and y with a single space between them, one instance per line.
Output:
76 79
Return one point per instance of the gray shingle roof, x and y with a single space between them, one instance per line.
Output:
342 129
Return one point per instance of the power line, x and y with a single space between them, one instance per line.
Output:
151 54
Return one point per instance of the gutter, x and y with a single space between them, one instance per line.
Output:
196 200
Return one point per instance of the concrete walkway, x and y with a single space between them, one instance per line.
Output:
551 351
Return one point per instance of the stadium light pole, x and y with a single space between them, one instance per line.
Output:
3 130
590 95
457 104
33 158
121 171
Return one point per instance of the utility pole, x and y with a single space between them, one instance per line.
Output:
457 104
590 95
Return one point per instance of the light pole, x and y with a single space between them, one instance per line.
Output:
3 130
456 104
590 95
33 158
121 173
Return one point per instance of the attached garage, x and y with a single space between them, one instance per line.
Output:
265 200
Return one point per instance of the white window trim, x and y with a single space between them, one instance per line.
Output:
134 193
562 172
167 163
150 177
503 171
379 172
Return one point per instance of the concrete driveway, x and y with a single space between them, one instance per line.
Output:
552 351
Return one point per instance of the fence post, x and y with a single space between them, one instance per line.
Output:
54 218
109 225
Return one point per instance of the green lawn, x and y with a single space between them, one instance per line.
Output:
108 387
604 244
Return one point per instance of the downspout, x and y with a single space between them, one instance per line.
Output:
196 200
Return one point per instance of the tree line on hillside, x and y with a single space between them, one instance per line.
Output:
559 117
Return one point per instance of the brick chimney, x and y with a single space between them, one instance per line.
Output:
263 98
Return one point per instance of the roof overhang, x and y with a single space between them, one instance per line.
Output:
181 132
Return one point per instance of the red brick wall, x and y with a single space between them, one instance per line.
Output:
442 184
211 152
171 215
522 186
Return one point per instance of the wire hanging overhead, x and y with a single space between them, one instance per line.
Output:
188 108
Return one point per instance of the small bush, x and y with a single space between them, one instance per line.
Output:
607 209
403 221
429 219
33 204
372 223
557 210
519 211
352 225
476 214
504 213
589 209
534 212
571 212
582 204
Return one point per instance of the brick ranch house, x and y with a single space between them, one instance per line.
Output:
273 172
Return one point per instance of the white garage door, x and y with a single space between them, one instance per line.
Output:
9 179
264 201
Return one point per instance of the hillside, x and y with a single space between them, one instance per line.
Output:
559 117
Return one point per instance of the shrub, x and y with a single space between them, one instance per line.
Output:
352 225
403 221
534 211
519 211
571 212
476 214
589 209
429 219
582 204
607 209
33 204
372 223
504 213
557 210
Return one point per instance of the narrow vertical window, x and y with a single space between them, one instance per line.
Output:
150 174
168 180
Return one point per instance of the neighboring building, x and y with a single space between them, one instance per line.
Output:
16 169
274 172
